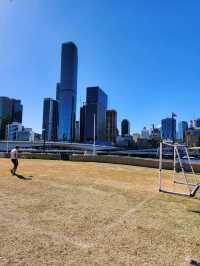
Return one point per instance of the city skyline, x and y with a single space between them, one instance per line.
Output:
147 68
93 112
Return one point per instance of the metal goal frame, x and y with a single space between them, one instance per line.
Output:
191 187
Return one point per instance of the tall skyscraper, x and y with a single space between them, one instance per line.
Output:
82 123
5 115
111 125
10 111
67 92
96 106
125 128
50 119
182 128
17 110
168 129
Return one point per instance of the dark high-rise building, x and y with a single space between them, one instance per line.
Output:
125 128
17 110
182 128
10 111
111 125
5 115
168 129
50 119
96 106
82 123
67 92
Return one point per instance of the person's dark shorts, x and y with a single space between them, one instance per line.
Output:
15 162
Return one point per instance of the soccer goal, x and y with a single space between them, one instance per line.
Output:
179 178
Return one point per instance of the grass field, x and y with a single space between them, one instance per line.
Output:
69 213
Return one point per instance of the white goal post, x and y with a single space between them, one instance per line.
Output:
179 182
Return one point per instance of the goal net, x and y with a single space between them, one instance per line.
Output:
176 174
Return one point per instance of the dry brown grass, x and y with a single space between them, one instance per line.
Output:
93 214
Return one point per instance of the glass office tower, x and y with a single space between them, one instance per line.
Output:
182 128
168 129
5 115
50 119
96 104
10 111
17 109
67 92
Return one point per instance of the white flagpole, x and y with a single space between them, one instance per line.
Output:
7 138
94 143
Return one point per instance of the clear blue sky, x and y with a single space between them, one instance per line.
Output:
144 54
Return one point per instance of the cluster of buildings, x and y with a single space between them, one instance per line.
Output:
183 132
96 124
11 127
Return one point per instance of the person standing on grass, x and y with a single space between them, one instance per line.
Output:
14 159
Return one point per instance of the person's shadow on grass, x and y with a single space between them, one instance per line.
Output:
23 177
